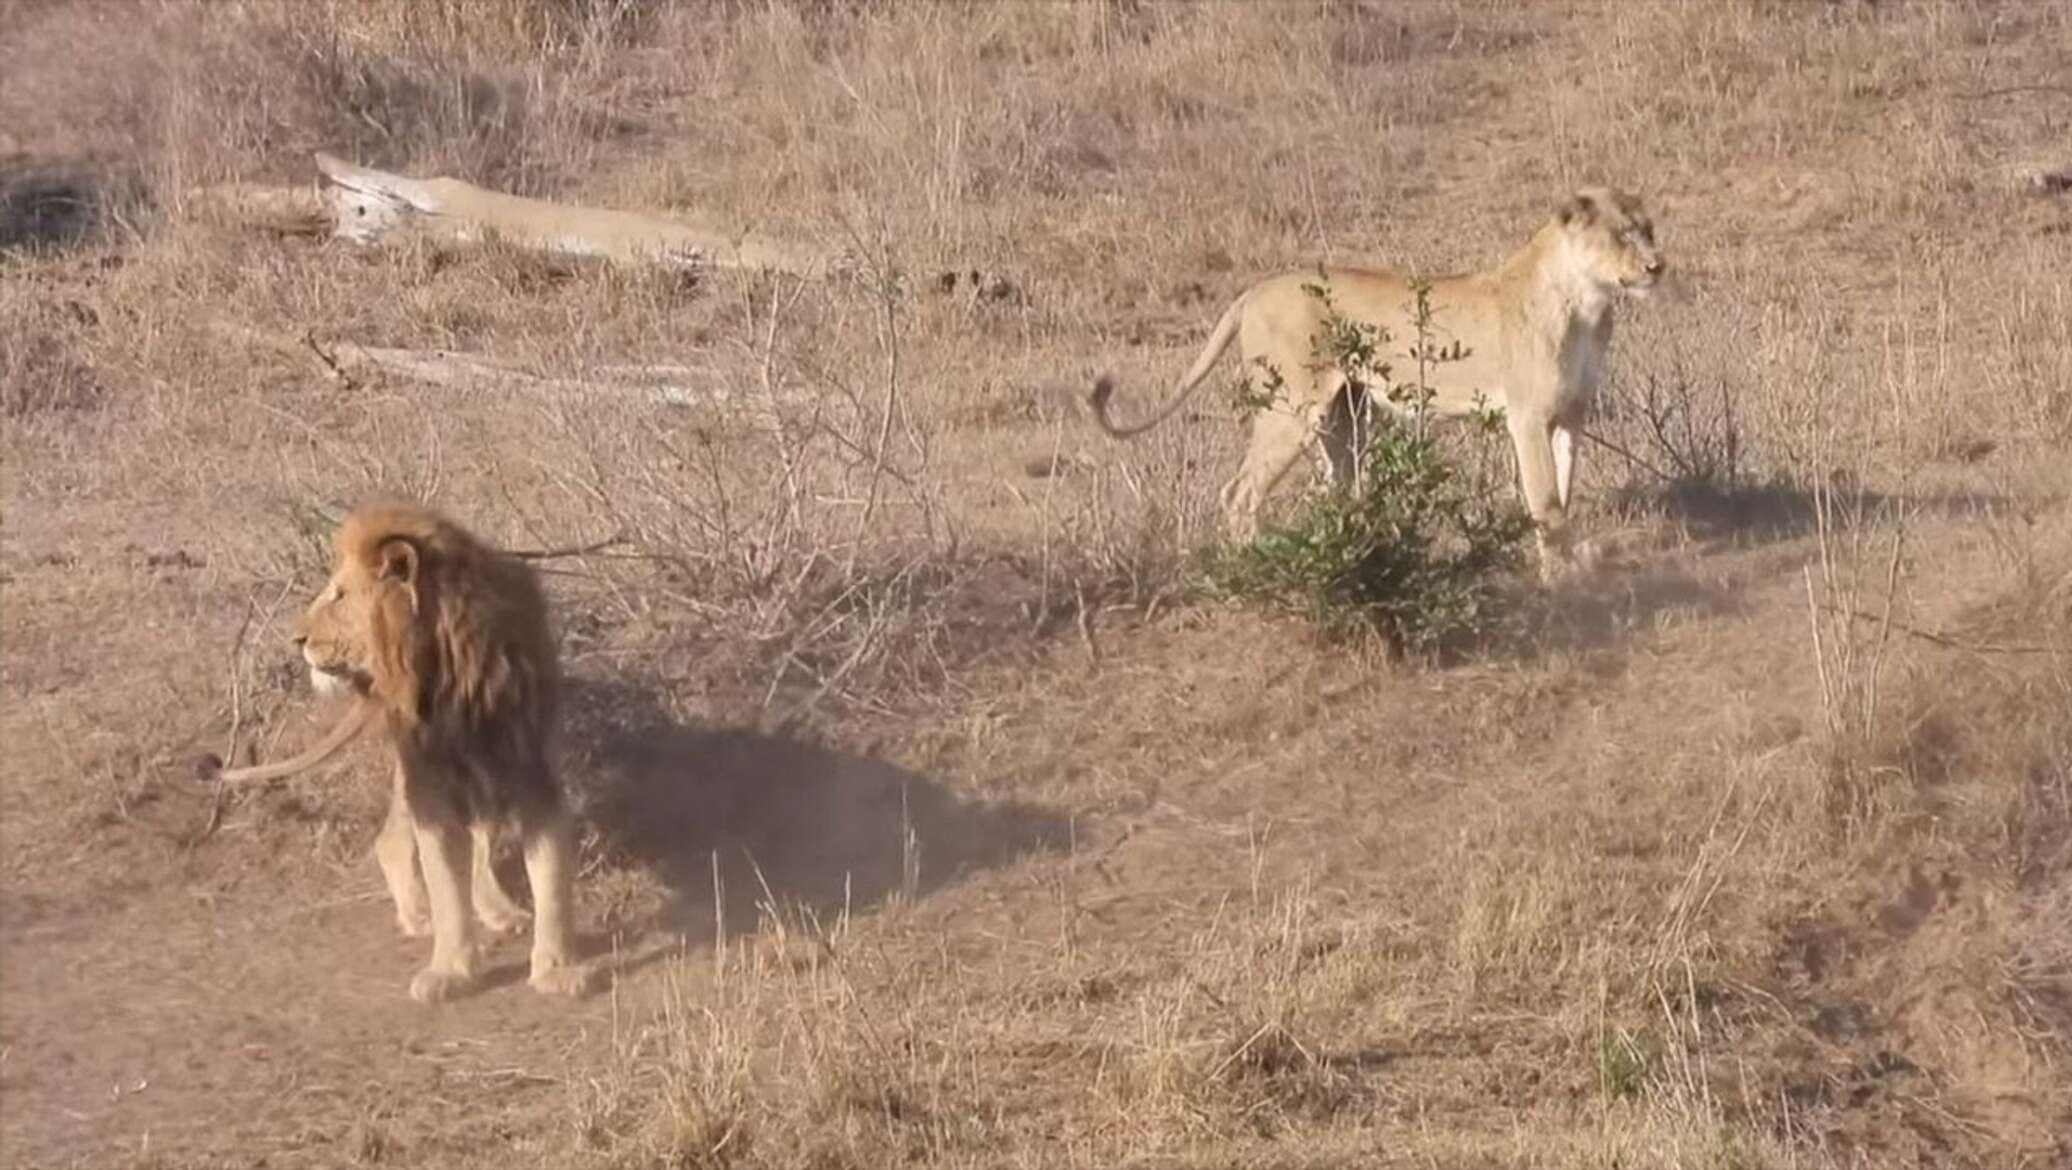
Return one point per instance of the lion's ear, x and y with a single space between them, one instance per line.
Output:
1579 208
397 560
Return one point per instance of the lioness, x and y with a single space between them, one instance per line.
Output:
1535 331
446 641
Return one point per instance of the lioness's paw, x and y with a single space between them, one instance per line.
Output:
1593 555
435 986
416 924
571 979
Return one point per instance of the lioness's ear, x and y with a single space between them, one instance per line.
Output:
1579 208
396 560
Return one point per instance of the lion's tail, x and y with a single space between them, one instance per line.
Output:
354 722
1219 340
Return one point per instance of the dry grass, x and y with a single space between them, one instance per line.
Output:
936 820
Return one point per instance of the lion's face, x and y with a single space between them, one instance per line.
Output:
1611 234
362 606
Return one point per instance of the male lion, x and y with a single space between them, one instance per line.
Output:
446 640
1535 331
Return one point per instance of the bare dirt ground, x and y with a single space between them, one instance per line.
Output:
935 813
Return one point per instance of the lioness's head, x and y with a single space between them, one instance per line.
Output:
360 630
1610 233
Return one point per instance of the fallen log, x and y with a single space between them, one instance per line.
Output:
370 206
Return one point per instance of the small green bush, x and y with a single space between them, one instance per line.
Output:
1415 552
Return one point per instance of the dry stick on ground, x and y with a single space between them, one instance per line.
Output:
664 385
1946 641
2012 90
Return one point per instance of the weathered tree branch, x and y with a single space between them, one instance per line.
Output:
371 206
668 385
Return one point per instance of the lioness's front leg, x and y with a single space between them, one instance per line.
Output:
1563 439
1539 483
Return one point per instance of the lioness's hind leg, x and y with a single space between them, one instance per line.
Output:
1279 435
550 868
494 908
1342 438
395 850
444 847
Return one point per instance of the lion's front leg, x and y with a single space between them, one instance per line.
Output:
444 843
395 850
550 868
494 908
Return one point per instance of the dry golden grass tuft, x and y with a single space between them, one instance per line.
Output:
936 819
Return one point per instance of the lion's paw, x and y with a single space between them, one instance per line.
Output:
414 925
502 920
433 985
570 979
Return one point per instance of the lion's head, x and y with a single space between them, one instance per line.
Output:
428 622
1609 232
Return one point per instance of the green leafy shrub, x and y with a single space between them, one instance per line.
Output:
1415 552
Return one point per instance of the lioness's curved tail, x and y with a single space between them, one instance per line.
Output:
355 721
1219 340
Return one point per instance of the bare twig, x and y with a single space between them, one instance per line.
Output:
1630 457
237 714
1938 638
237 717
553 554
2012 90
1086 628
888 297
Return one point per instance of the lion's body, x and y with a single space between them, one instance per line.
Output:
447 642
1533 334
